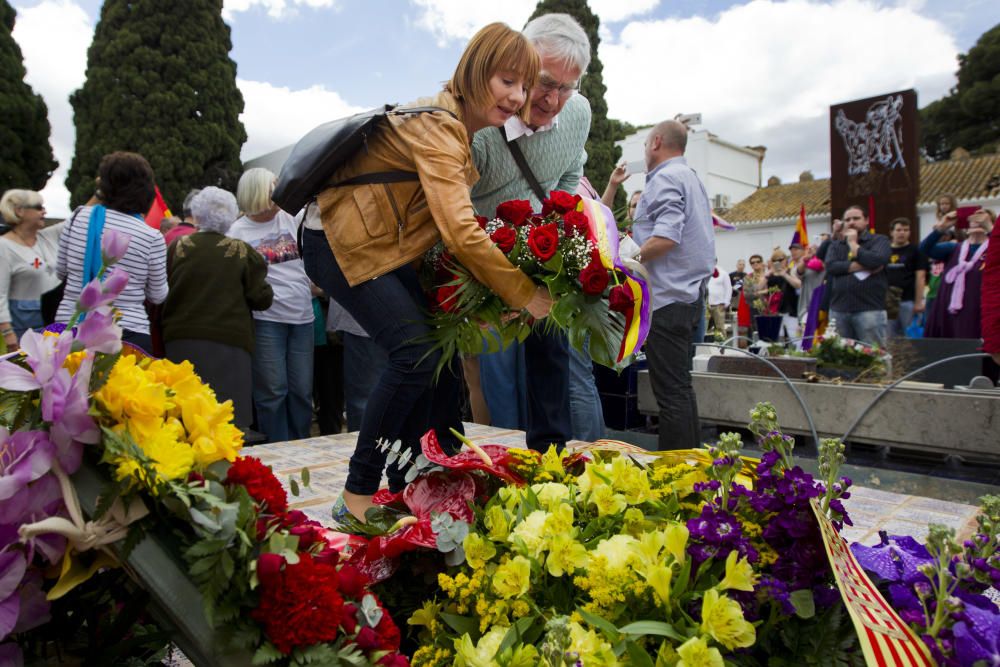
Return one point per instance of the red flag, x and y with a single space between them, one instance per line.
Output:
158 211
743 312
871 213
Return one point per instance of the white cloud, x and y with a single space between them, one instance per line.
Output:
458 20
275 8
54 36
757 70
275 116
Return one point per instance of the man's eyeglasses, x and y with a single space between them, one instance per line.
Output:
549 85
756 261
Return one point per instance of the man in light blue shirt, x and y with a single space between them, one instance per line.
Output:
673 226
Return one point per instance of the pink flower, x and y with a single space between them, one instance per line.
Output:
25 456
113 246
99 333
96 293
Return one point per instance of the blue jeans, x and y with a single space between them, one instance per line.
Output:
867 326
25 314
534 375
364 363
282 379
405 402
584 402
898 326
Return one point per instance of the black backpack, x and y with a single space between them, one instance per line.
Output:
319 154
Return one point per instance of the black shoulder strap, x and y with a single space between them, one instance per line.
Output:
522 164
412 110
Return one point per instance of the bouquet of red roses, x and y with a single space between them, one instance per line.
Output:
572 248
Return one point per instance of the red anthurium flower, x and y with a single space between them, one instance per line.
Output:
469 460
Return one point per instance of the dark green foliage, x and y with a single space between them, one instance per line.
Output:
160 82
602 154
969 116
25 154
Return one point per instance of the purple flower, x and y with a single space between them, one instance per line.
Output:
12 569
99 333
97 293
978 637
897 558
113 246
24 457
66 406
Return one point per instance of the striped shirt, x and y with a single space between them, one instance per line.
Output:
145 262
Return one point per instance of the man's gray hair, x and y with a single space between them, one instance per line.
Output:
214 209
560 36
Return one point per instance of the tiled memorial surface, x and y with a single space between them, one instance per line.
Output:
881 500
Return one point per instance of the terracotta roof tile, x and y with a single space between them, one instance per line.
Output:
972 178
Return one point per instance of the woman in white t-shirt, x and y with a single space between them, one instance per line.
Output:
28 255
283 353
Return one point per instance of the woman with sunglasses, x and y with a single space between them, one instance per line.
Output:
28 254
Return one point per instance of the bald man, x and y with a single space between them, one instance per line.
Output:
673 226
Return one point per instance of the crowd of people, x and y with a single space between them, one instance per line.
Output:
256 298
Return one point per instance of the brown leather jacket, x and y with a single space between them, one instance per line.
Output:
374 229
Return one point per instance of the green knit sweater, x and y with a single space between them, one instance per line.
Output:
215 282
556 157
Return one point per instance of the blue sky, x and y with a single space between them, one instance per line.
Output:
760 72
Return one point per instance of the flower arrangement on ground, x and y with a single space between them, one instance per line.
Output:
271 581
571 246
836 352
691 559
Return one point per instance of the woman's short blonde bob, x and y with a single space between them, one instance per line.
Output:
15 199
495 48
253 192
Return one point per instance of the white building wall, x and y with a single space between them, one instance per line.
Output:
724 168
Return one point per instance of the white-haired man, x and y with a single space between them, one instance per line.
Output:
542 386
673 225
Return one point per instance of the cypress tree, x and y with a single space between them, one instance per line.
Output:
602 154
160 82
25 154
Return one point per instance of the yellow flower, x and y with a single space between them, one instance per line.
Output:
607 501
426 615
658 577
171 457
73 361
722 618
531 533
630 480
560 521
552 463
497 523
550 494
739 574
696 652
677 538
478 550
513 578
633 520
565 555
618 550
649 546
480 654
593 651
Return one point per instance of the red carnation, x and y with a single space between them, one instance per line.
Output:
446 298
388 633
351 581
575 224
260 483
560 202
505 238
482 220
594 278
301 607
543 241
620 299
516 212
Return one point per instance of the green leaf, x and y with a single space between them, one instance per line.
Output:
293 486
463 625
305 477
658 628
516 632
267 653
805 606
637 655
602 624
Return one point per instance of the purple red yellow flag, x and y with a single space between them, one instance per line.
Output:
158 211
604 230
722 224
886 639
801 236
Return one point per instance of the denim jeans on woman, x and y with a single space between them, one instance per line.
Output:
405 401
282 379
